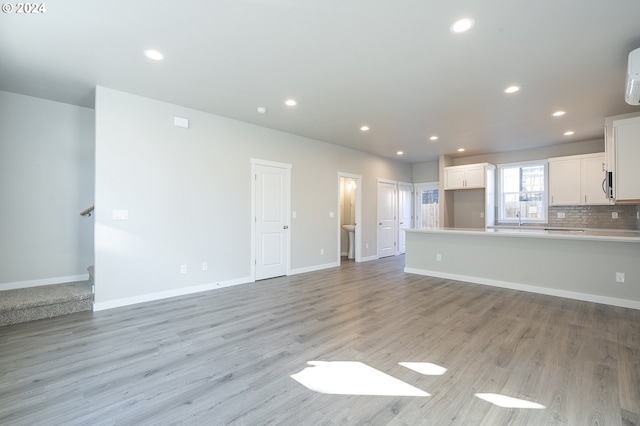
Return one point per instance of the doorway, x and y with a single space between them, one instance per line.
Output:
427 205
349 208
270 219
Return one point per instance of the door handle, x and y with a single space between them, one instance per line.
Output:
285 227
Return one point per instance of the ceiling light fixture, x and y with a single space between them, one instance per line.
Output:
558 113
153 54
462 25
511 89
433 138
364 128
290 102
460 149
569 133
399 152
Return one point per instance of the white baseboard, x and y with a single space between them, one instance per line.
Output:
624 303
45 281
314 268
101 306
368 258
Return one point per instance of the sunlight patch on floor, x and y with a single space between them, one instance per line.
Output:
509 402
352 378
426 368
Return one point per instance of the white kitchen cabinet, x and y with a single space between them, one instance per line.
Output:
626 175
622 147
470 176
592 180
577 180
564 181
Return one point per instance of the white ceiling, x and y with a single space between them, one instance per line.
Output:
390 64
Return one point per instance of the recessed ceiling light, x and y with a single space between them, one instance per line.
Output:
460 149
569 133
433 138
511 89
153 54
261 110
364 128
462 25
558 113
290 102
399 152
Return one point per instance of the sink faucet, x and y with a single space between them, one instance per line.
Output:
519 218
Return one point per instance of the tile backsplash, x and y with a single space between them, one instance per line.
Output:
594 217
598 217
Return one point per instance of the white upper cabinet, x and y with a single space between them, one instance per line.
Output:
593 176
577 180
626 171
470 176
564 181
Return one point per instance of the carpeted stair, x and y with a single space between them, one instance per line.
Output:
33 303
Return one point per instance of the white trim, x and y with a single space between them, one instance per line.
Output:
368 258
44 281
613 301
117 303
270 163
314 268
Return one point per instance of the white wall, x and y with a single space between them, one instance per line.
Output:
46 179
188 193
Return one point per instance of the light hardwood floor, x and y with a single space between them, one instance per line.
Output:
226 356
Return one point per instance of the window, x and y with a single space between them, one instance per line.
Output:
522 192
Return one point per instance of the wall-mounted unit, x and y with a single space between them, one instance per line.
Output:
632 94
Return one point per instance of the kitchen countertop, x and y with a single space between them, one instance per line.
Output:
553 233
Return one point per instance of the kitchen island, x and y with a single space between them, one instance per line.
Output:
577 264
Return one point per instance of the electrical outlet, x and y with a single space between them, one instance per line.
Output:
366 245
561 215
614 215
481 215
637 215
321 252
438 257
205 267
183 269
619 277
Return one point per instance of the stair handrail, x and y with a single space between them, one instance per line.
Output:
87 211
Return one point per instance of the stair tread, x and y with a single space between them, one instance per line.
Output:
22 298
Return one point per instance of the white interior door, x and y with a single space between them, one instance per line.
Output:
405 213
386 219
272 192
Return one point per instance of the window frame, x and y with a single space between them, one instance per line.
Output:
545 193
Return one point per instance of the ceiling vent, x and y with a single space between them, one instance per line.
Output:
632 94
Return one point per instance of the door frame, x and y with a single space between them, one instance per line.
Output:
358 231
410 186
287 168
